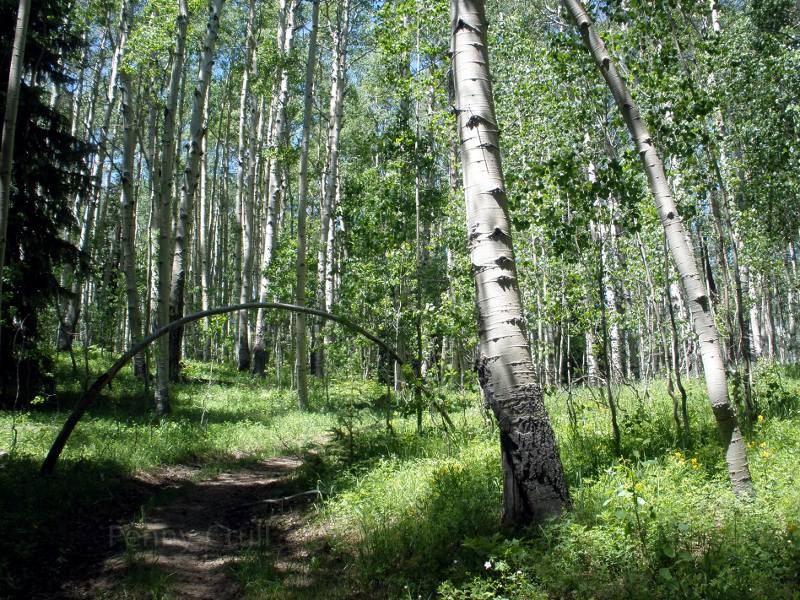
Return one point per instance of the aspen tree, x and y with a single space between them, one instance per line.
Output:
533 482
128 226
243 240
163 204
682 254
285 43
183 228
10 127
302 197
338 73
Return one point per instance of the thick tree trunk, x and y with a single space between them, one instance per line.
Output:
163 202
681 250
534 485
183 226
301 353
285 44
10 127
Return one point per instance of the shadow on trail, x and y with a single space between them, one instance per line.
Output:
58 530
86 532
194 531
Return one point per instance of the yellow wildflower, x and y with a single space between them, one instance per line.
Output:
762 445
764 454
695 464
760 418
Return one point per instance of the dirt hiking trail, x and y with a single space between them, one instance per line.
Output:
186 544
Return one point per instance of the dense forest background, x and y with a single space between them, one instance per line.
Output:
383 221
175 157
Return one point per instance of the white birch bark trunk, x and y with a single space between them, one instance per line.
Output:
244 238
205 228
183 225
302 202
10 127
128 221
285 44
699 304
755 320
338 74
163 203
534 485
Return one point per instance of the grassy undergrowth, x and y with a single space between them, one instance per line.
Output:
218 418
408 515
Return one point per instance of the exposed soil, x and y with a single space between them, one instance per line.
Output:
196 530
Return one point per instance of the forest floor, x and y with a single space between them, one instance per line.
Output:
238 494
196 529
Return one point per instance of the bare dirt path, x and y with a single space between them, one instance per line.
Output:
188 542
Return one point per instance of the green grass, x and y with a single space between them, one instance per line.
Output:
408 515
417 516
227 419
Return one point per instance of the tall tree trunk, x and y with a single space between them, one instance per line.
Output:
769 320
609 350
128 221
163 202
206 222
183 226
682 254
68 326
534 485
301 353
9 129
338 72
285 43
244 241
755 320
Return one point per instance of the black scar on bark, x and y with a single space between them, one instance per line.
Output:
539 490
504 262
506 282
462 24
475 120
499 234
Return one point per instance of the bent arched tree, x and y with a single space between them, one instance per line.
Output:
682 254
94 391
533 478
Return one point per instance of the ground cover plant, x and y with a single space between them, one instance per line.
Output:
414 515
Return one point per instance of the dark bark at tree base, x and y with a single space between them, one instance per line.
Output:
260 358
67 328
243 361
533 484
175 342
317 363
